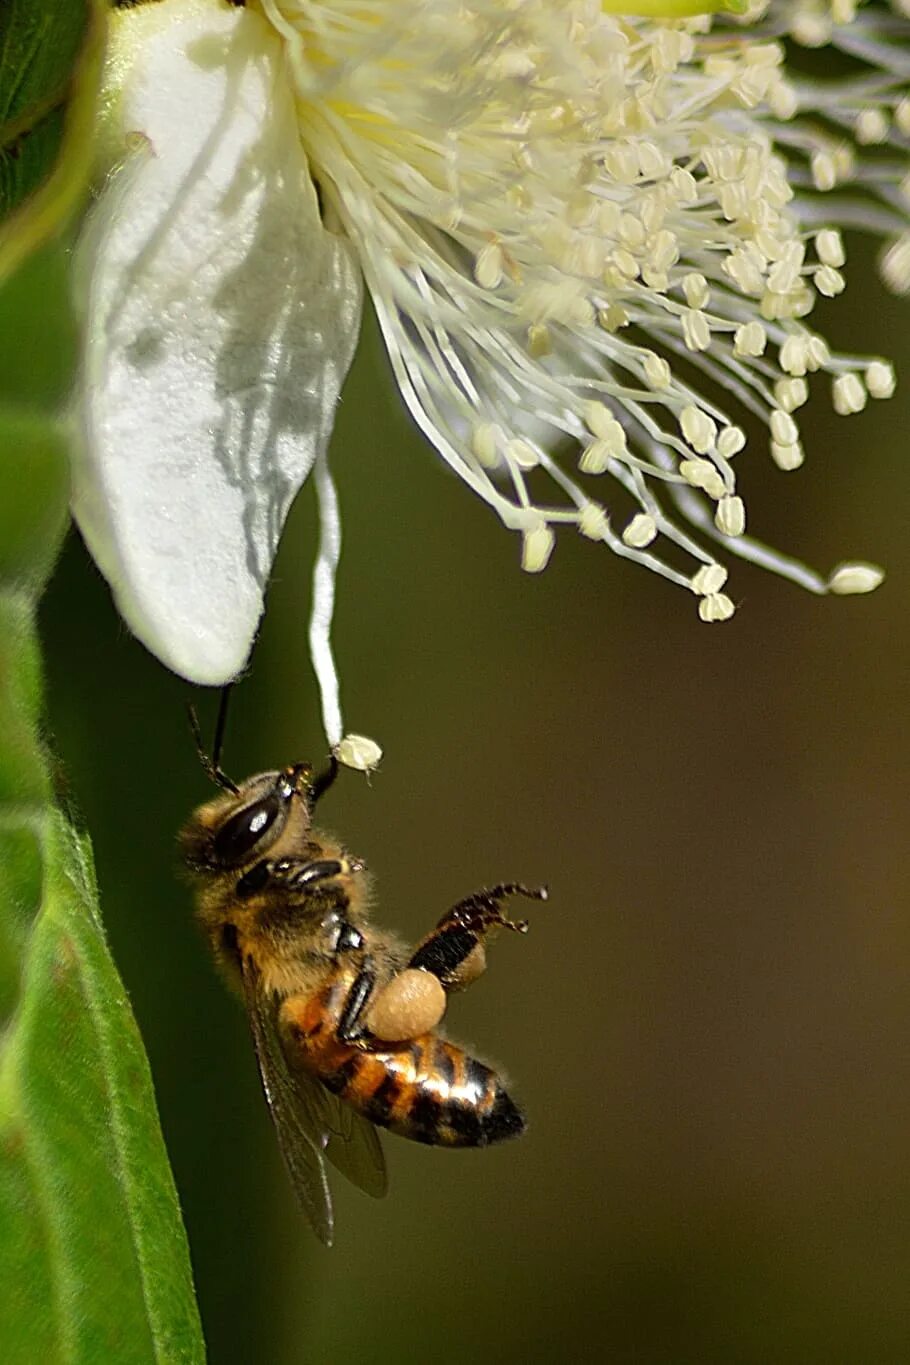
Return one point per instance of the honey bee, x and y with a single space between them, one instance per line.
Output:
344 1018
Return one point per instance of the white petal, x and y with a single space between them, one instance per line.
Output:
222 318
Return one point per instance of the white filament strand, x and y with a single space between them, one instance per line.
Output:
324 599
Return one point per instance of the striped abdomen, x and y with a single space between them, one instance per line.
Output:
429 1090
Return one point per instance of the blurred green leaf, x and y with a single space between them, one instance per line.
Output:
37 337
50 60
93 1257
34 508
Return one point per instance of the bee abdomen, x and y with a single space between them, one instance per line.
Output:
429 1091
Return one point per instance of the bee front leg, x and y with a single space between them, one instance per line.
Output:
296 873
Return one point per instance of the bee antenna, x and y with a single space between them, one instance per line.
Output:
322 781
211 765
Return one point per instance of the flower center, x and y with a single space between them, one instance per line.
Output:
553 206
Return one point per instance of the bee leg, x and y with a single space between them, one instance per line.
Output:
322 781
481 911
448 959
350 1025
297 873
301 872
455 952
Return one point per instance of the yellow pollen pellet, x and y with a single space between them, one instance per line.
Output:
412 1003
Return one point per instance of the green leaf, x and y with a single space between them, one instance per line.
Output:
94 1265
37 338
50 63
97 1268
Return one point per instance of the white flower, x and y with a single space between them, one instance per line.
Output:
593 243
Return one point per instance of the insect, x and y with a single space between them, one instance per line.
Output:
344 1018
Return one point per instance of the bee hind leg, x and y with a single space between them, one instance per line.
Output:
481 911
414 1001
455 951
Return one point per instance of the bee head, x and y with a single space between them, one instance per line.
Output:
239 827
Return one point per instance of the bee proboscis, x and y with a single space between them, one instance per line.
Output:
344 1018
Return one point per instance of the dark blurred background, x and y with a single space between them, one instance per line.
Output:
708 1024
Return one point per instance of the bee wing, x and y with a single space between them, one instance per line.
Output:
353 1146
311 1122
302 1141
347 1139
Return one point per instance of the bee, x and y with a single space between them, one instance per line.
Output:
344 1018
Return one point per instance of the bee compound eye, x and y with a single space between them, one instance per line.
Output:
245 829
